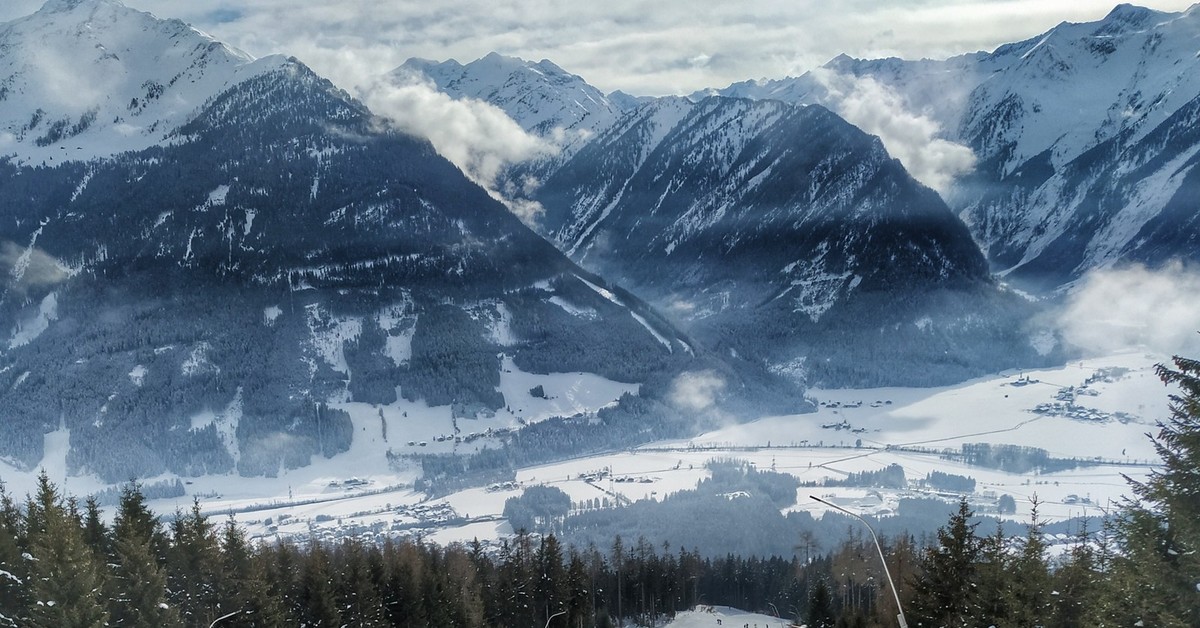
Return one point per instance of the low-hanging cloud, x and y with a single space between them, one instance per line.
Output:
696 391
912 138
1135 307
23 268
476 136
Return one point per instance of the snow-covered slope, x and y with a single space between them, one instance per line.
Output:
767 225
542 97
1081 134
1088 147
1080 84
89 78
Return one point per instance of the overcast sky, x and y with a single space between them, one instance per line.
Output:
643 47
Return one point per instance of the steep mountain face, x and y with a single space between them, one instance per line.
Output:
768 228
1087 147
197 306
85 79
781 233
1085 158
685 196
542 97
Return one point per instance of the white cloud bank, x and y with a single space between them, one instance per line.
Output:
475 136
696 392
1135 307
651 49
912 138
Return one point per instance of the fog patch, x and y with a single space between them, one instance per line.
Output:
696 392
26 268
64 85
476 136
1135 307
909 137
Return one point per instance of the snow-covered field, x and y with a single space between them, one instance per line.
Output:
711 616
1098 409
1119 395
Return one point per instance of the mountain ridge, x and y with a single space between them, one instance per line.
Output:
636 200
214 302
93 78
1038 114
542 97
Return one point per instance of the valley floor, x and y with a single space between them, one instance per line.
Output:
1098 410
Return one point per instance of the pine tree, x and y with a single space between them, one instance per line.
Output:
992 603
280 564
903 564
618 560
945 591
243 584
194 567
517 582
318 599
12 568
550 593
360 599
64 581
1029 576
138 586
464 587
1159 564
437 592
1076 582
404 569
95 532
820 606
578 591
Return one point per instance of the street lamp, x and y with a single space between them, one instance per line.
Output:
553 616
886 572
223 618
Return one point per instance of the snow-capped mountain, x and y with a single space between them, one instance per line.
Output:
1081 133
769 226
542 97
677 182
213 302
82 79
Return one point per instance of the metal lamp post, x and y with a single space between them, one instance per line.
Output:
553 616
223 618
886 572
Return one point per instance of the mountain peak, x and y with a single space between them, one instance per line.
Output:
495 57
63 6
91 78
502 62
1126 11
840 62
540 96
1131 16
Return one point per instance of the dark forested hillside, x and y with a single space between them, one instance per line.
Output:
256 265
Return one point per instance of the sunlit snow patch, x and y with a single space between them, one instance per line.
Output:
31 328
